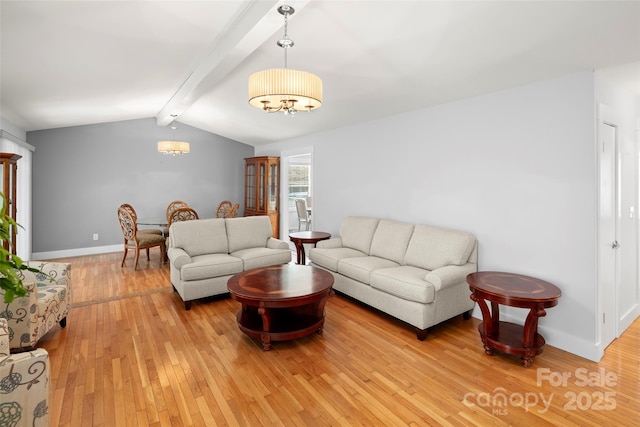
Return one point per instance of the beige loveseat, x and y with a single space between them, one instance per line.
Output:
204 254
416 273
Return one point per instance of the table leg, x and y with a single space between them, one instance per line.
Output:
529 334
300 255
488 327
266 327
495 319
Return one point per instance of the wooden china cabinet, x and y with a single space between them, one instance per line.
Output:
262 189
9 164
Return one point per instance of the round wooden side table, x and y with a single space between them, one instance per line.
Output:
513 290
299 238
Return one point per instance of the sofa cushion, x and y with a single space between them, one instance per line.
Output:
211 265
198 237
432 247
390 240
263 257
248 232
405 282
357 232
329 257
360 268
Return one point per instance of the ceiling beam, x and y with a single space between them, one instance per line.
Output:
251 26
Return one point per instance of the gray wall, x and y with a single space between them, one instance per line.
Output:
517 168
82 174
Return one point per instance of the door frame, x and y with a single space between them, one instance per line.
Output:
607 117
284 185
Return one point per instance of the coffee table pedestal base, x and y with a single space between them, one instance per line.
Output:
281 324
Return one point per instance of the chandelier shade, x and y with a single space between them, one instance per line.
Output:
285 89
282 89
173 147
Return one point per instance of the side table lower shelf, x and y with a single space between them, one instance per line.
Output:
509 340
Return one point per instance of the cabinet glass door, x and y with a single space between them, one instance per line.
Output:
250 193
273 187
261 187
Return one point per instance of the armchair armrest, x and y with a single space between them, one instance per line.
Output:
22 317
274 243
178 257
334 242
55 273
450 275
4 338
25 382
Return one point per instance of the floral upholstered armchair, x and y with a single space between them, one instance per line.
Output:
24 384
46 304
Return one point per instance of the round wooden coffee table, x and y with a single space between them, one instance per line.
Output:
282 302
299 238
513 290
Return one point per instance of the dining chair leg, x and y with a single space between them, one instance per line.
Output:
135 266
125 255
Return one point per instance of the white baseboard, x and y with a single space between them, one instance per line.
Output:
38 256
628 318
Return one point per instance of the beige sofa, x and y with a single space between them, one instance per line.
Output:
416 273
204 254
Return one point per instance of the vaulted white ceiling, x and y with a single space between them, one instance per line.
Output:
66 63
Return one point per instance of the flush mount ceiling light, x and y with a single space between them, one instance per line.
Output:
173 147
283 89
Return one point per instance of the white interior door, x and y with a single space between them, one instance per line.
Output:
608 268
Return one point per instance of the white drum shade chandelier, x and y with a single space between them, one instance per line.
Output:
283 89
173 147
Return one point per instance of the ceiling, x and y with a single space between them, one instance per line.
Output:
67 63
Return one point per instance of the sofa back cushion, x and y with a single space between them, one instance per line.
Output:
390 240
357 232
248 232
432 247
201 236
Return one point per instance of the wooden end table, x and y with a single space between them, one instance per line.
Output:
513 290
282 302
299 238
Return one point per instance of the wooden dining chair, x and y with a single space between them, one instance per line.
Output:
133 213
138 241
176 204
183 214
234 210
224 209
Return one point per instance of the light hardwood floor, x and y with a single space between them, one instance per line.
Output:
132 356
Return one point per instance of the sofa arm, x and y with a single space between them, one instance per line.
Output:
22 317
274 243
334 242
55 273
450 275
178 257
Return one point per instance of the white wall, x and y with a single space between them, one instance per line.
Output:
516 168
95 168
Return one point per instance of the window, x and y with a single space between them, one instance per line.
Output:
299 177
